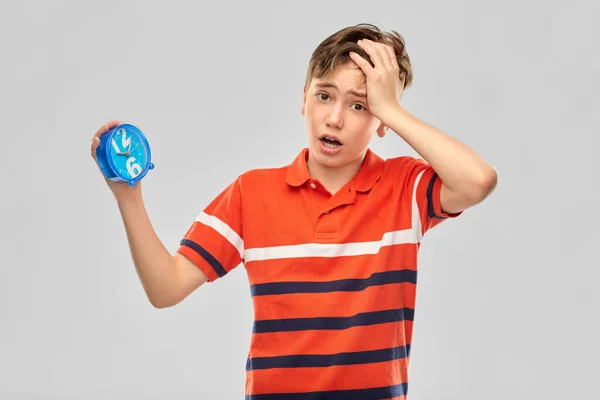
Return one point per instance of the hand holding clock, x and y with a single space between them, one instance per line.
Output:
122 174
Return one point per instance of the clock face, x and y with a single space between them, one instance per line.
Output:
129 153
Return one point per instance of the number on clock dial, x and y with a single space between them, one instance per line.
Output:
133 168
125 141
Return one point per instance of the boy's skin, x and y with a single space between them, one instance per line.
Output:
354 119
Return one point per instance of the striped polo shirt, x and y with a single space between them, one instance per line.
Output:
332 277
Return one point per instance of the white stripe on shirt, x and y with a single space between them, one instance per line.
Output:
224 230
406 236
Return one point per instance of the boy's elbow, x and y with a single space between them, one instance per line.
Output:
157 305
161 301
483 186
489 182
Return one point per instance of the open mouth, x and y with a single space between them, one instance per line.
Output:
330 142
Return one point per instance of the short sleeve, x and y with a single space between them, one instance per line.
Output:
214 241
425 186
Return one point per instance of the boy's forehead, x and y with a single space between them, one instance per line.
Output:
348 76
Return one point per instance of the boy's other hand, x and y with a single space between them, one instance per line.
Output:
384 85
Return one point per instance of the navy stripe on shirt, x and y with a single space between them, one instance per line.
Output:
343 285
430 210
216 265
386 392
328 360
337 323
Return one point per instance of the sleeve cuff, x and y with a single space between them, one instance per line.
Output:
434 205
203 259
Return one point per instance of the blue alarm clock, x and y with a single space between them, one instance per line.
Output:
124 154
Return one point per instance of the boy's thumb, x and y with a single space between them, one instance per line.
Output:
94 146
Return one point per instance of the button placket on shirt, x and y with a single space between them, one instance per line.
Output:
328 220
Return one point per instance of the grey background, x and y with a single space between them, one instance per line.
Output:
507 303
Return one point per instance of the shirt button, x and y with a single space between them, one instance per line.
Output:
312 185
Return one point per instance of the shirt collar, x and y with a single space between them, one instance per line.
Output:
368 174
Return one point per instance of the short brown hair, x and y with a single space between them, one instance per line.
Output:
334 51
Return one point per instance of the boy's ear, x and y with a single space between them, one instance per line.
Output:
382 130
303 101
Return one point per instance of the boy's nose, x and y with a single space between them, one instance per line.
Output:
334 118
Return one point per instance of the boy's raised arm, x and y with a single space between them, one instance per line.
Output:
166 279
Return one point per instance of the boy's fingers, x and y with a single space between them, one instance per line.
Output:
94 146
106 127
361 62
102 130
392 56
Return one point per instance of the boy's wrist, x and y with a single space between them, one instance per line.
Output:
129 199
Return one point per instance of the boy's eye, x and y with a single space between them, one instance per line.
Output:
320 96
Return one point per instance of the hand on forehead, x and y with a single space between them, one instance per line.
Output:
348 75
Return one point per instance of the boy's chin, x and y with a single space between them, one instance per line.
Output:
330 161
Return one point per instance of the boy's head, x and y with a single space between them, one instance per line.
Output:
341 111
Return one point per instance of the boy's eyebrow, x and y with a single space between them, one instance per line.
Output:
332 85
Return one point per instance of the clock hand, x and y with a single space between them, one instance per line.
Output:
130 150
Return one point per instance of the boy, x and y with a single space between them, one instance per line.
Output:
329 242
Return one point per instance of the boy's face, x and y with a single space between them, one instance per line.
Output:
339 111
